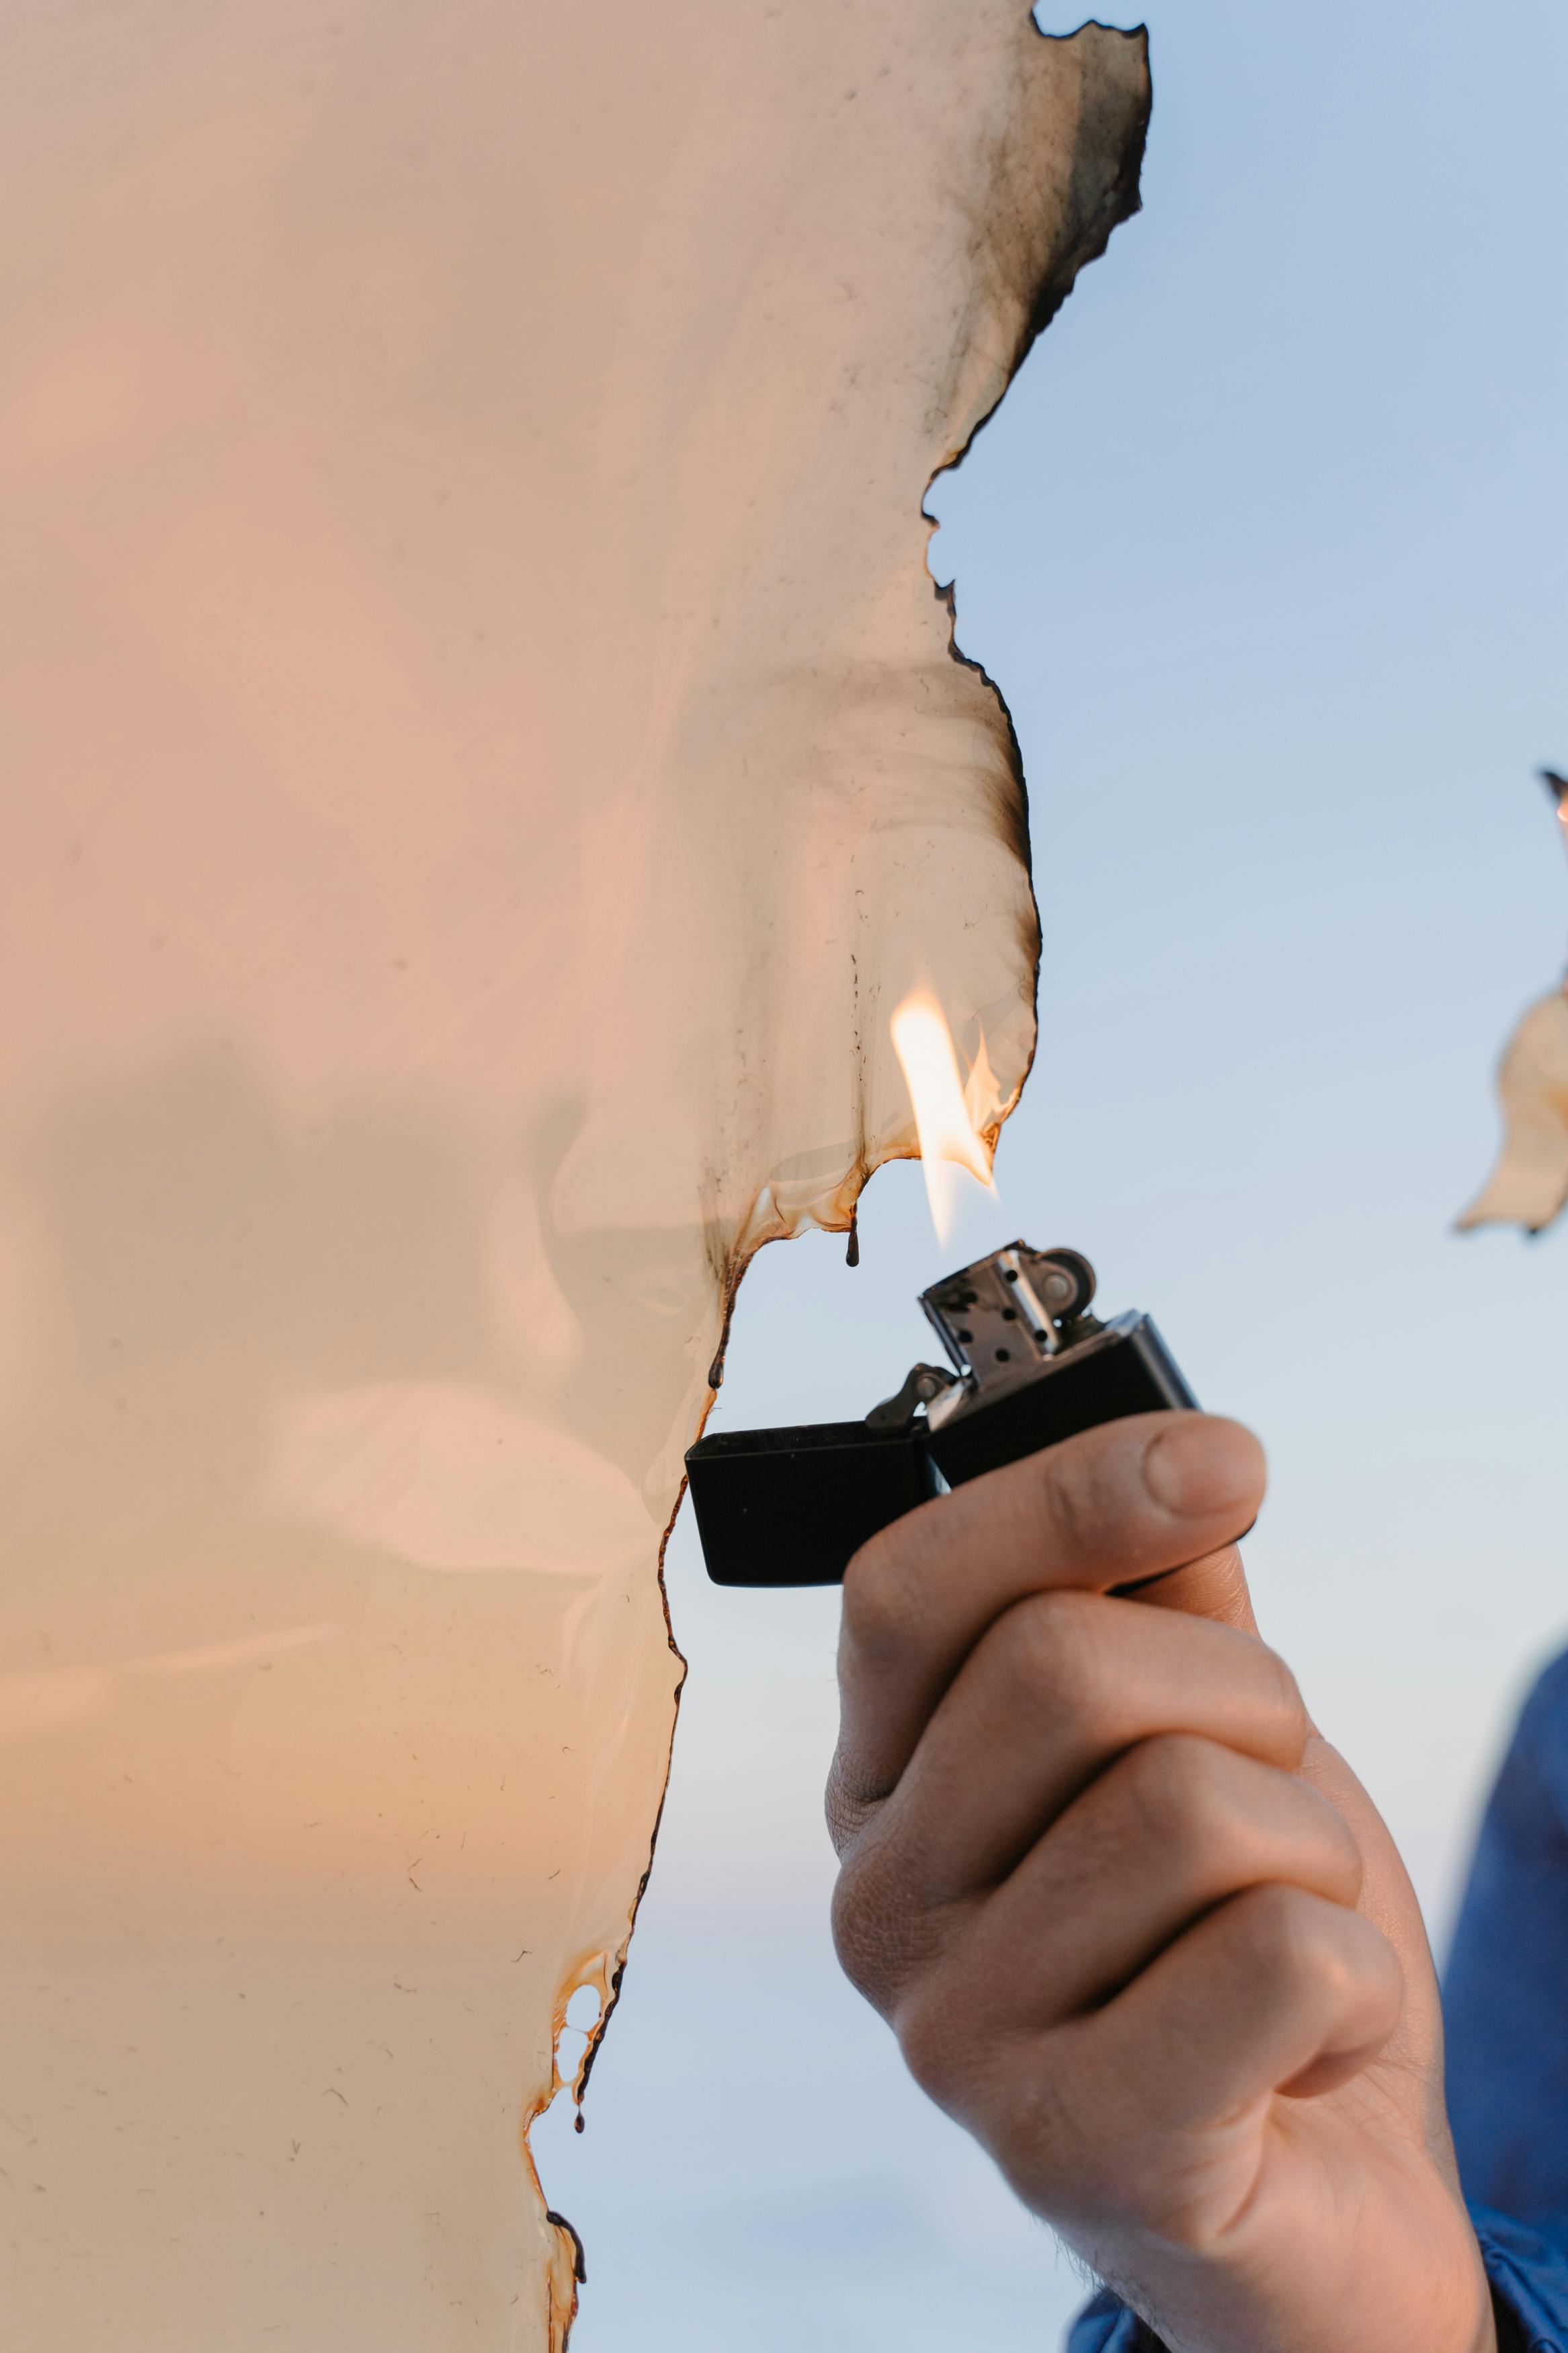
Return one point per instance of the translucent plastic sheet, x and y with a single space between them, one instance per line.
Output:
482 760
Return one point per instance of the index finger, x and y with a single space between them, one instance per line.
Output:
1111 1507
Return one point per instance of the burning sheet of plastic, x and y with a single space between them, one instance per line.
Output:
482 761
1530 1183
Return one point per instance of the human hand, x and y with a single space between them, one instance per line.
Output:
1136 1925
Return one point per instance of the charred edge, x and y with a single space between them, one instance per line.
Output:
729 1271
617 1975
579 2268
733 1277
732 1274
852 1247
1018 828
1104 210
1117 201
1558 788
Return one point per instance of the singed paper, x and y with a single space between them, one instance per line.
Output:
1530 1183
1528 1186
482 759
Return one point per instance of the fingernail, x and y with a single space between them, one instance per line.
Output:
1196 1468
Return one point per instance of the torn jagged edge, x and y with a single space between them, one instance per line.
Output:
617 1973
1122 200
1472 1219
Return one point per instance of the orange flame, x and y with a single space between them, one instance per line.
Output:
944 1122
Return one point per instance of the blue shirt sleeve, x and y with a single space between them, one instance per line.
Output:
1505 1994
1107 2326
1529 2284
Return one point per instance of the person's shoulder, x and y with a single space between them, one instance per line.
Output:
1543 1719
1551 1687
1529 1807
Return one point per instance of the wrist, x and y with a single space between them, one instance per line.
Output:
1359 2297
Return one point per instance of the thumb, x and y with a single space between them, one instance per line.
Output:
1212 1587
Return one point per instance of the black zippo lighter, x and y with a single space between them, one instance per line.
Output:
1031 1366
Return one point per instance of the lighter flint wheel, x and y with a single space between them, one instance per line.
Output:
1064 1280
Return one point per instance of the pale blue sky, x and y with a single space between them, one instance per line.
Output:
1266 550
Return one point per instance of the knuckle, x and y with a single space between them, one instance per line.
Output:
1056 1650
844 1811
863 1935
1343 1853
1180 1795
1214 1816
878 1933
1283 1698
877 1596
861 1926
935 2039
1291 1938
